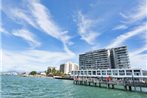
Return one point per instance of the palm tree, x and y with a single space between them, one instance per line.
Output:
53 71
49 70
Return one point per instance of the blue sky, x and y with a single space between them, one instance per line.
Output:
36 34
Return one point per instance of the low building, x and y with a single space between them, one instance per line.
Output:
68 67
43 73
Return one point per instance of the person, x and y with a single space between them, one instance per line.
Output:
108 78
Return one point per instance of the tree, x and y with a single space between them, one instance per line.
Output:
33 73
53 71
49 70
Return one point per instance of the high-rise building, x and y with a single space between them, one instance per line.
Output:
105 59
119 57
98 59
68 67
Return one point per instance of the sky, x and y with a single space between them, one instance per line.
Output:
36 34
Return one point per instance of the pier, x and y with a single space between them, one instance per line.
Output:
128 79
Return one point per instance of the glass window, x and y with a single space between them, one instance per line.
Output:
78 72
108 72
137 72
103 72
128 72
115 72
89 72
98 73
81 72
121 72
94 72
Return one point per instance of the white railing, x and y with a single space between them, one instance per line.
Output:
138 73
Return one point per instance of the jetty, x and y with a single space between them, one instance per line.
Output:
130 79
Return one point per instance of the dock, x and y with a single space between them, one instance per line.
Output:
128 79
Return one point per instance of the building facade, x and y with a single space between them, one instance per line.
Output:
105 59
68 67
119 73
119 57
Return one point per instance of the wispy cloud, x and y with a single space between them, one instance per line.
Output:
120 27
28 36
85 26
38 16
138 51
4 31
136 14
47 24
29 60
133 15
22 15
122 38
139 61
138 58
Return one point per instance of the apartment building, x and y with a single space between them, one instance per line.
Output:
68 67
105 58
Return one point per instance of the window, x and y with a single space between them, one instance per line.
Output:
78 72
81 72
137 72
94 72
115 72
121 72
85 72
89 72
108 72
103 72
128 72
98 73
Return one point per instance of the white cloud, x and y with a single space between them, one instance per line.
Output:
20 14
123 15
45 22
138 51
28 36
137 13
32 60
85 28
138 59
133 15
122 38
120 27
4 31
38 16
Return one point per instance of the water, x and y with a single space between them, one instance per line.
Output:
33 87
